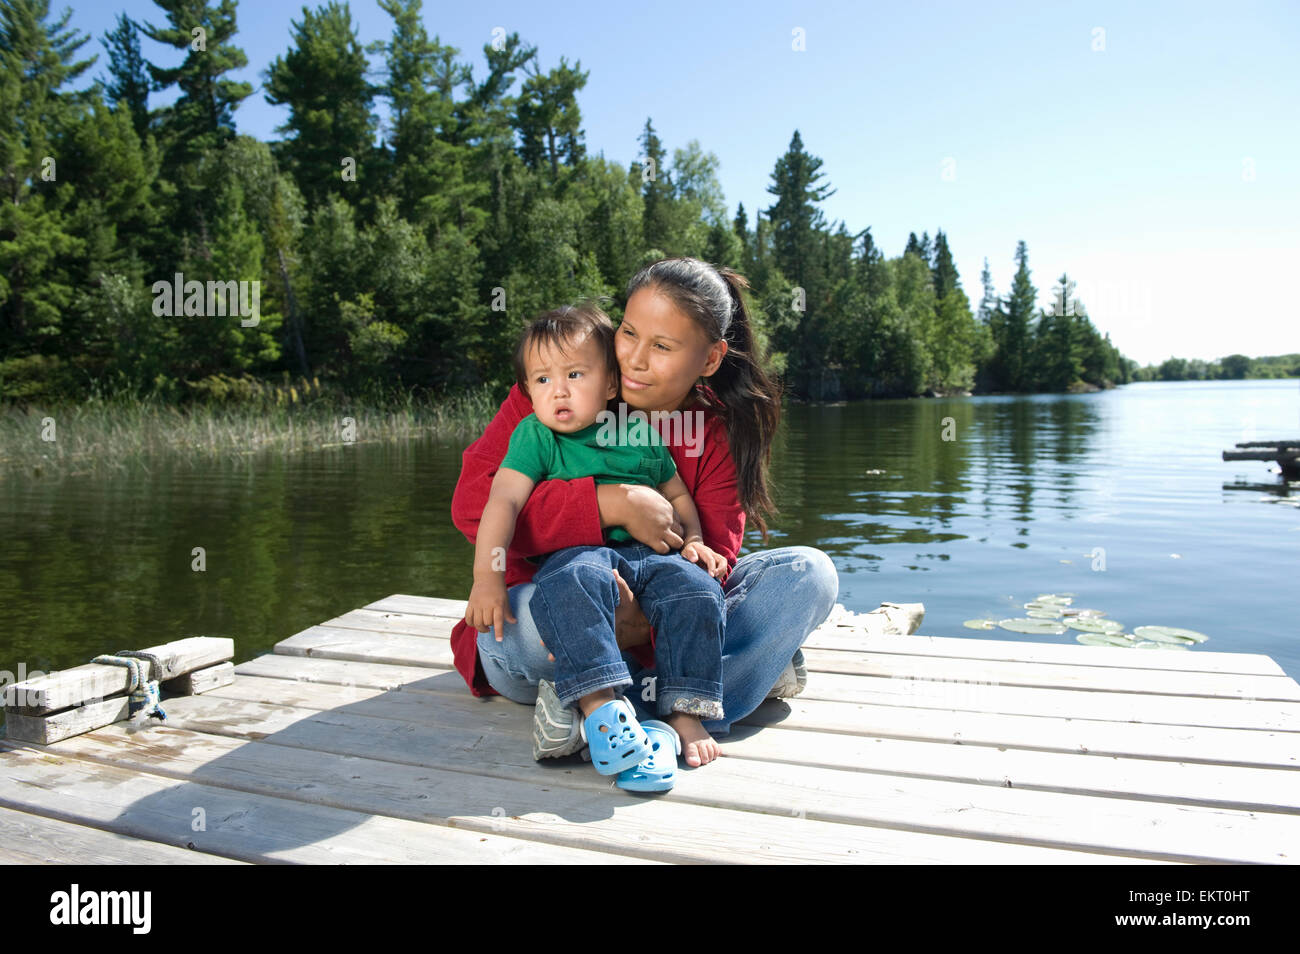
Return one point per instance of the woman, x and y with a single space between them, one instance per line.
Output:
684 320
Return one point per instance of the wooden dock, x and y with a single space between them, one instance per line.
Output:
1286 453
355 742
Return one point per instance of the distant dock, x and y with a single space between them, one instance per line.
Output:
1286 453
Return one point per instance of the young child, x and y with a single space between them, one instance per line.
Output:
567 365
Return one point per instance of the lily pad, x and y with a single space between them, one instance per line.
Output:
1043 614
1089 613
1170 634
1035 627
1092 639
1149 644
1105 639
1060 599
1092 625
980 623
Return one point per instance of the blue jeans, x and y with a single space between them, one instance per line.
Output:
774 599
573 606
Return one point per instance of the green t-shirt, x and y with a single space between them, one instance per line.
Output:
612 455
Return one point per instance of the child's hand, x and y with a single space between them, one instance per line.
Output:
489 607
715 563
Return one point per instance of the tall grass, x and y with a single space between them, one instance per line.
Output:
115 431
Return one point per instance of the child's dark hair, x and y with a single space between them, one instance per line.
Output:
751 400
565 327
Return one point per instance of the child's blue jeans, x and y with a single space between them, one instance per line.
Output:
573 607
774 598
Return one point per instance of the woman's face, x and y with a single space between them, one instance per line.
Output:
661 353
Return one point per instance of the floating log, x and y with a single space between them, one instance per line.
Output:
95 681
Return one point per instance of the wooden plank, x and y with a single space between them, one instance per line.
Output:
243 825
1051 675
1115 826
1196 660
360 645
426 605
27 839
1044 733
544 804
1066 703
95 681
56 726
201 680
947 691
411 624
1247 789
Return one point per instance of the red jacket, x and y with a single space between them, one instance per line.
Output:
564 513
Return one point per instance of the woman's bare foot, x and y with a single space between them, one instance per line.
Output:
698 747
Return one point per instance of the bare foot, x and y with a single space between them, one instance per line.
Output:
698 747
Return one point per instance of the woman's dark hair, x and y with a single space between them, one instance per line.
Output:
565 327
751 400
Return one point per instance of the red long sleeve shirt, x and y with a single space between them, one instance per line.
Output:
564 513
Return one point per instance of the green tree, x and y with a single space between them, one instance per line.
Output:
795 221
130 78
656 191
1235 366
36 241
549 120
322 81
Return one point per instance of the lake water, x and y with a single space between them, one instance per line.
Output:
1117 497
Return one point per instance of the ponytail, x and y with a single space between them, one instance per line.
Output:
750 399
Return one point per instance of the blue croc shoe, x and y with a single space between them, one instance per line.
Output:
614 738
658 770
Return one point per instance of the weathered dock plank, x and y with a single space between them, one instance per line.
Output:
27 839
355 741
902 684
413 731
1264 789
1246 747
240 824
577 810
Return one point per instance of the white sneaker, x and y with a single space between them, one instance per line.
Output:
793 678
556 728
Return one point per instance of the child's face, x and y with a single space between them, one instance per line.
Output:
569 389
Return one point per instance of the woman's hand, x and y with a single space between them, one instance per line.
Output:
489 606
712 561
644 512
631 628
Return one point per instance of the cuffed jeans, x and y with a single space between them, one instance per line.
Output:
774 599
573 606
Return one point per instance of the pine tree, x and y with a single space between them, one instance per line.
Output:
36 288
1059 347
203 117
1018 328
433 181
944 272
656 191
130 84
796 222
322 81
549 121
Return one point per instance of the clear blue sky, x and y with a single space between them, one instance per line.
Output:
1151 150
